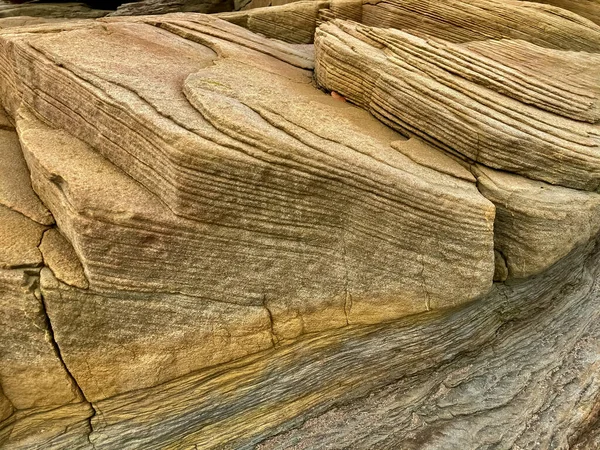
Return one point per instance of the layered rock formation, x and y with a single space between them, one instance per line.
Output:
65 10
201 249
484 102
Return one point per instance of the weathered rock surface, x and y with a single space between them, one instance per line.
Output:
462 21
31 373
450 94
537 223
167 6
51 10
589 9
293 249
199 249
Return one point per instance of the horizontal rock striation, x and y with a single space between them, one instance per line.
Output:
51 10
234 218
462 21
200 249
503 367
536 223
146 7
443 93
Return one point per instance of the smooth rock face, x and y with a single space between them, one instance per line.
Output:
15 188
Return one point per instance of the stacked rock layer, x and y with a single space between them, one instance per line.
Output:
208 235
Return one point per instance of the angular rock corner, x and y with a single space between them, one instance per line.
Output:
328 224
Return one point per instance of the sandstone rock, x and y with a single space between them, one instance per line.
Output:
51 10
25 21
6 407
60 257
109 217
294 23
271 114
462 21
19 237
227 257
536 223
589 9
15 188
520 365
166 6
66 427
520 392
448 94
31 373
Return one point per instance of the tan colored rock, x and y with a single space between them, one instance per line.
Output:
60 257
232 188
50 10
294 23
31 373
501 271
15 187
128 341
65 427
145 7
19 237
590 9
6 408
537 224
5 121
480 20
25 21
236 251
452 96
217 139
427 156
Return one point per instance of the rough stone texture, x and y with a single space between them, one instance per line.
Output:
516 391
444 93
517 367
294 23
589 9
60 257
480 20
15 187
259 267
6 407
168 6
51 10
31 373
236 259
66 427
537 223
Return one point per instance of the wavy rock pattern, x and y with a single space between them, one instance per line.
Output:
462 21
51 10
443 93
199 249
267 222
